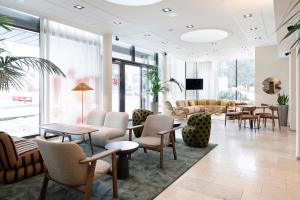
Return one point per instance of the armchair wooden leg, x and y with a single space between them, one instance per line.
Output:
89 181
145 150
44 187
173 145
225 119
161 150
114 176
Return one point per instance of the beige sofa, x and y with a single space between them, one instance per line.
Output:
112 126
204 105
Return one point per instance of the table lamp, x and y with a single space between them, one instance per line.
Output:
82 87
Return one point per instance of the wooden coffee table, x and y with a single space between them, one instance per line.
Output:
66 130
127 147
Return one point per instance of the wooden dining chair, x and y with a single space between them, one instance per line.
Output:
231 114
272 116
263 111
248 113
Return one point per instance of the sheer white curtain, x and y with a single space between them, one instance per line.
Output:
78 54
206 72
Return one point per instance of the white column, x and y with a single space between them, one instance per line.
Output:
297 103
163 65
107 72
292 89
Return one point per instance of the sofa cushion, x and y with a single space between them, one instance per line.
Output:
181 103
202 102
96 118
231 103
192 102
224 102
214 102
101 137
116 120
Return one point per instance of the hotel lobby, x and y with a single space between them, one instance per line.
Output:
150 99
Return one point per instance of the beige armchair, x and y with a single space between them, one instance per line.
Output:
66 164
158 132
176 112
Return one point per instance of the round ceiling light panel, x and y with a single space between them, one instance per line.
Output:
134 2
204 35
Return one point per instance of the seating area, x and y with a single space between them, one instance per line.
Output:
150 99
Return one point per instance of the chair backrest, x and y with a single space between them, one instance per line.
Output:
8 152
168 107
273 110
96 118
157 123
248 108
116 120
62 162
139 116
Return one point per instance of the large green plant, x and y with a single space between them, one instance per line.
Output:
294 23
282 99
156 85
14 69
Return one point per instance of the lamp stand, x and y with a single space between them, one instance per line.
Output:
82 107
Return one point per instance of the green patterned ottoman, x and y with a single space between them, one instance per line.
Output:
197 131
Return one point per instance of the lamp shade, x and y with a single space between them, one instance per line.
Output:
82 87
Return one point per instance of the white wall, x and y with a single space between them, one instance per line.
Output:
268 64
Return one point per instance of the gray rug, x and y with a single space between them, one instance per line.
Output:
146 180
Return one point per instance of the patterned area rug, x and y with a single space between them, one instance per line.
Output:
146 180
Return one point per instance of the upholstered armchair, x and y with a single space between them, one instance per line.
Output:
139 116
158 133
19 159
176 112
197 131
66 164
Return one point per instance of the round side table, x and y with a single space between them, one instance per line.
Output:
126 148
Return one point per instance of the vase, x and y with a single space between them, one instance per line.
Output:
283 114
154 107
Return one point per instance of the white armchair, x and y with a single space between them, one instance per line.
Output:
66 164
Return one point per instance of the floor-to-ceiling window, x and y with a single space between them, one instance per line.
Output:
129 81
19 109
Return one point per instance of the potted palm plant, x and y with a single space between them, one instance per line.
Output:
292 20
283 108
14 69
156 86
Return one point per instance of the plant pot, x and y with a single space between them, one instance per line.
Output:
283 114
154 107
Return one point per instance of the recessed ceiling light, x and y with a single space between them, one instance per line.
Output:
147 34
134 2
204 35
79 7
257 38
247 15
164 42
117 22
170 29
190 26
253 28
167 9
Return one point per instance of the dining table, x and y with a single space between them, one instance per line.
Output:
252 112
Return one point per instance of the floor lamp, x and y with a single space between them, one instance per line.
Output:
82 87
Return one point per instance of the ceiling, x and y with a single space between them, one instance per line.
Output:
151 28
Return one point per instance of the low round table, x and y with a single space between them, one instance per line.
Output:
127 147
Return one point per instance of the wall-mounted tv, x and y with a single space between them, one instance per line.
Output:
194 84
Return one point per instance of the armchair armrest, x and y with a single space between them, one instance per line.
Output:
168 131
132 128
99 156
135 127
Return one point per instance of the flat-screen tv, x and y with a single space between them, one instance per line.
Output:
194 84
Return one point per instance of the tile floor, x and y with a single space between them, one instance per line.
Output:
246 165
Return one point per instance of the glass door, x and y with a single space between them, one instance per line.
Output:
133 94
116 82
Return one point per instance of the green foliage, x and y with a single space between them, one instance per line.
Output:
282 99
14 70
295 27
156 85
